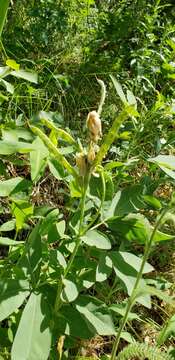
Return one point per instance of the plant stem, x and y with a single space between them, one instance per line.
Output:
58 301
132 298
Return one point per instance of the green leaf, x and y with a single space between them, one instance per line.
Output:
8 147
104 268
9 242
12 186
131 98
8 226
119 89
33 337
152 201
120 309
26 75
135 262
166 163
12 64
126 201
127 275
21 210
9 87
47 119
48 222
56 169
57 259
4 7
167 331
75 189
133 227
96 315
12 295
72 322
127 337
160 236
97 239
38 159
30 261
69 292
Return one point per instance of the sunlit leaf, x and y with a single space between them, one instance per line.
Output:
12 295
97 239
38 159
12 64
69 292
96 314
10 242
12 186
26 75
33 337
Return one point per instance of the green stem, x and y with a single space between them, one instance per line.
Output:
101 205
132 298
58 301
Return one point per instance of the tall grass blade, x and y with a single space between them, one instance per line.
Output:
4 4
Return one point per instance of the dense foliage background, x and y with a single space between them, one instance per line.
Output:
65 47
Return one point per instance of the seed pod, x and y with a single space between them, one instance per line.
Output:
94 126
81 163
91 154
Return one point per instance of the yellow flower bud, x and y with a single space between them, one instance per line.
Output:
94 126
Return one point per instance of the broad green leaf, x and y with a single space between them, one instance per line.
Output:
12 64
127 337
133 227
144 291
9 87
9 242
56 169
33 337
152 201
21 209
12 186
127 275
135 262
57 259
166 163
38 159
75 189
131 98
8 226
4 7
48 221
104 268
26 75
167 331
4 71
8 148
12 295
61 226
126 201
69 292
96 315
120 309
72 322
13 135
97 239
30 261
119 89
160 236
